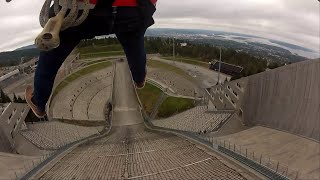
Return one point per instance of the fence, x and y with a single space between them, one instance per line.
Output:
263 164
158 85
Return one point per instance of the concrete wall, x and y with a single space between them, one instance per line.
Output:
287 98
229 95
12 120
5 145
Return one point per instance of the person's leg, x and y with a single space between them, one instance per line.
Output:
133 46
50 62
48 66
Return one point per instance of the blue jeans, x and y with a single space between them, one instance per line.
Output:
49 63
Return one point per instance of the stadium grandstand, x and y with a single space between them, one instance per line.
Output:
226 68
178 84
53 135
80 99
198 120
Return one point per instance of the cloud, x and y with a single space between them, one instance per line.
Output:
19 23
293 21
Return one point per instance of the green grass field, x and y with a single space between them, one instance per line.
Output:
94 62
99 49
188 61
102 54
174 105
149 96
81 72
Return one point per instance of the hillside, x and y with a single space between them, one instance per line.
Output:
32 46
13 58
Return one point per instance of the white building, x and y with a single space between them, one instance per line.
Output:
183 44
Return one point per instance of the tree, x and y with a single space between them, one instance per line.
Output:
273 65
15 99
200 50
20 100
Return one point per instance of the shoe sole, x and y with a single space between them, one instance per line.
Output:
141 86
144 82
30 103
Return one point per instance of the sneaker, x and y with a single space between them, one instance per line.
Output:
32 105
141 85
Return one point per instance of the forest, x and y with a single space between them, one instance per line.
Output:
202 52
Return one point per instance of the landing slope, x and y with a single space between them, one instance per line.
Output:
132 152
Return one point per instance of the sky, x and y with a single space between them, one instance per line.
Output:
292 21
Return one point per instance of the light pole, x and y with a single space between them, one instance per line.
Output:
219 67
21 64
174 49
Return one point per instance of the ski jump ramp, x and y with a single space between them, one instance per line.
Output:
126 108
131 151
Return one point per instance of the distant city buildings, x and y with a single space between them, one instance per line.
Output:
183 44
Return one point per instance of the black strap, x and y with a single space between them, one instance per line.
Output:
104 3
147 9
114 14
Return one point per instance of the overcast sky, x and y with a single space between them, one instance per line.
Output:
293 21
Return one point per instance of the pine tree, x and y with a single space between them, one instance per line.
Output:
15 99
3 97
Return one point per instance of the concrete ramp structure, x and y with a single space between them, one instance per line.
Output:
276 119
12 120
287 98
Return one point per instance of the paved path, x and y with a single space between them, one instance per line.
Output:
206 77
